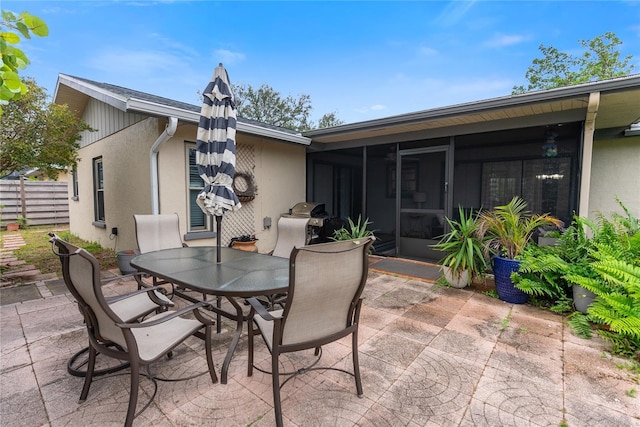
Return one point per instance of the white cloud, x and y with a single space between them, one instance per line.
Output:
455 11
370 108
501 40
228 57
427 51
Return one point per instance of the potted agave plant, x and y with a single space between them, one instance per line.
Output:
464 260
505 231
355 230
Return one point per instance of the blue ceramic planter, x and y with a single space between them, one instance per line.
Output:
502 269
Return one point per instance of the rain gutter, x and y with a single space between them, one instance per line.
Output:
168 132
194 117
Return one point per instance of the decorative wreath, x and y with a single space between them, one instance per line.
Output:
244 186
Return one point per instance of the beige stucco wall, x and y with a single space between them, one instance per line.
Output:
125 161
279 170
615 172
279 173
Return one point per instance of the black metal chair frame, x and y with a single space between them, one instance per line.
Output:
129 352
277 348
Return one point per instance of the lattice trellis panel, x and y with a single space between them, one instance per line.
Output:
242 221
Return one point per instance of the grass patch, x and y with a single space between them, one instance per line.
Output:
37 250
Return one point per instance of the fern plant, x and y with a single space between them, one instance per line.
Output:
613 274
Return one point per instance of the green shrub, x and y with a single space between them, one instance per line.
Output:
602 257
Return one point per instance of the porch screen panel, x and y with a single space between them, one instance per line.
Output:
500 182
546 185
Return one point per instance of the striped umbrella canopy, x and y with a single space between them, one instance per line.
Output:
216 148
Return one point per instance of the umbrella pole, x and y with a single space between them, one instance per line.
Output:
218 236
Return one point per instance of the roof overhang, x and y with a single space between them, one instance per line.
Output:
619 107
76 93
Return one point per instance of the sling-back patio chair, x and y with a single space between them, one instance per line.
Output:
322 305
154 233
162 231
292 232
138 343
133 306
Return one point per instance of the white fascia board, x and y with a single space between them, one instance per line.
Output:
108 97
156 109
581 90
273 133
194 117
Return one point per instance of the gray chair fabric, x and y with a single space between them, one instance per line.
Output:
131 306
138 343
157 232
154 233
322 305
292 232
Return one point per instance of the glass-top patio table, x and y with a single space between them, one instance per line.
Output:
240 274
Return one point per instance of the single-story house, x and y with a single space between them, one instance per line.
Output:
566 150
141 160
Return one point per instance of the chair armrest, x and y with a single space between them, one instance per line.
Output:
139 291
124 276
166 317
257 307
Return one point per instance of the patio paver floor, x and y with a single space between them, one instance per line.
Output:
429 355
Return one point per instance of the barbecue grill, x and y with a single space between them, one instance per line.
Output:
321 225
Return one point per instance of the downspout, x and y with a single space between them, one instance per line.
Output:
168 132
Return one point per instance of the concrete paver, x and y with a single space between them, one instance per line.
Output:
429 355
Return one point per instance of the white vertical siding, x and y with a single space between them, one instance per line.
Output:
107 120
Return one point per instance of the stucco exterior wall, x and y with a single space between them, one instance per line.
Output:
278 168
281 179
125 158
615 172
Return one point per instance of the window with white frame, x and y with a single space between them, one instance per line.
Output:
198 221
98 190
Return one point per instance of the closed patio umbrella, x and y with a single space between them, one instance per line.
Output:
216 149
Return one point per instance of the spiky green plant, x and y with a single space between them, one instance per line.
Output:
506 230
462 247
355 231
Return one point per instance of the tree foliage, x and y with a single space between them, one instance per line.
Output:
601 60
37 134
13 58
267 105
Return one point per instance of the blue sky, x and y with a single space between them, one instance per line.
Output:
362 60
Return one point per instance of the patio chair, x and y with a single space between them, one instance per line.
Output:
129 307
323 305
162 231
292 232
138 343
154 233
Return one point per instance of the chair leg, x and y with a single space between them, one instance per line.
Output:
356 363
207 343
275 379
91 364
250 336
133 393
218 316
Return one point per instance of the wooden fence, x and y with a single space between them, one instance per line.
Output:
40 202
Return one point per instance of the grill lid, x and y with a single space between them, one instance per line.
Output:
308 209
